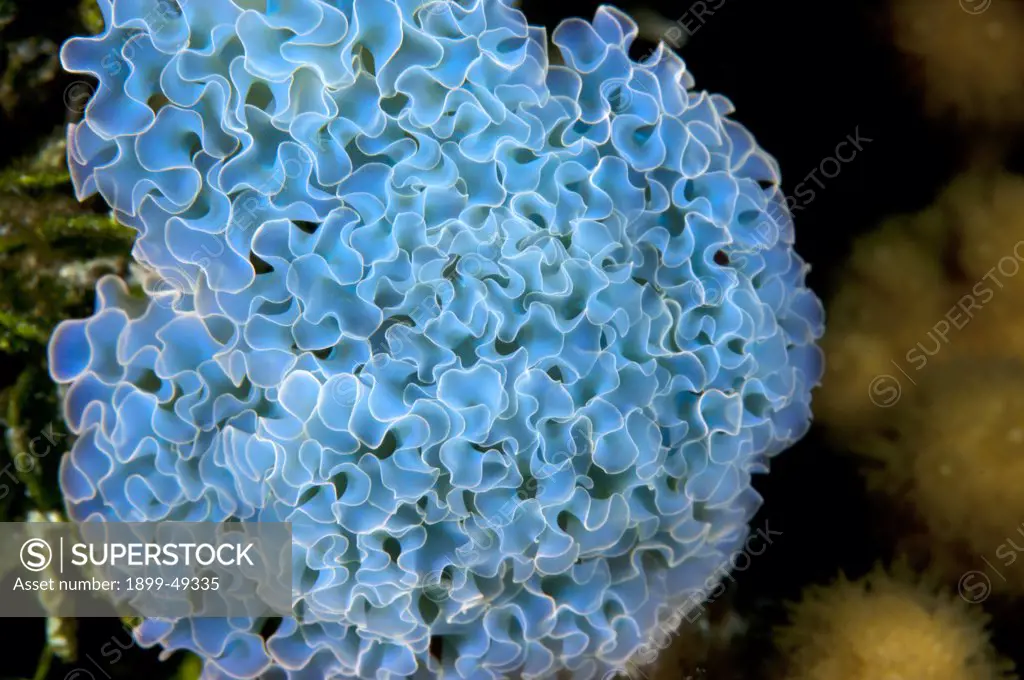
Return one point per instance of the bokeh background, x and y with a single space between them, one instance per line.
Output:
911 483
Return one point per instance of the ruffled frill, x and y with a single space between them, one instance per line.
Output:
503 340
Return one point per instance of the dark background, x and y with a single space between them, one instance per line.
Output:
803 75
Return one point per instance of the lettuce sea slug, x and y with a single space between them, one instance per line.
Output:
503 340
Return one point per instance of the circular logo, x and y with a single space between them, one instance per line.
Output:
36 554
77 95
975 6
884 391
437 586
79 674
471 266
618 95
628 672
974 587
490 249
436 6
167 288
708 292
346 390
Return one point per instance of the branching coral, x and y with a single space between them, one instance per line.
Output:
503 340
887 626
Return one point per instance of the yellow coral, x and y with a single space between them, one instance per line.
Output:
892 293
987 210
928 324
886 627
968 55
961 461
923 290
853 362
